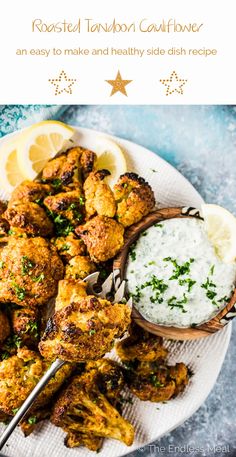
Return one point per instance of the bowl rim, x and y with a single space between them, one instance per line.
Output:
214 324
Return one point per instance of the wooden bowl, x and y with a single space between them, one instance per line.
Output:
176 333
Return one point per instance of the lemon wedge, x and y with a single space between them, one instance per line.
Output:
39 143
10 173
111 157
221 230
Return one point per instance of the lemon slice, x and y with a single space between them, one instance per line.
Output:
111 157
10 173
39 143
221 230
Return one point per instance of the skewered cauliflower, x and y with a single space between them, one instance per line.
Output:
83 329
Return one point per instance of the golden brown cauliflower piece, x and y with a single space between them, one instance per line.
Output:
4 326
79 267
31 269
110 378
157 383
25 324
29 218
3 207
69 246
85 329
67 205
76 439
69 168
20 373
30 191
99 198
103 236
134 198
141 345
83 408
4 225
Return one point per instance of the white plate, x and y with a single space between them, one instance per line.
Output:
204 357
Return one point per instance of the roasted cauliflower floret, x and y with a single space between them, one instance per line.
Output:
85 329
69 168
82 408
141 345
20 373
157 383
29 218
30 191
103 236
4 224
3 207
69 246
67 205
79 267
25 324
110 378
31 269
4 327
134 198
99 198
76 439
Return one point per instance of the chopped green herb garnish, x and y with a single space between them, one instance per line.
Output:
62 225
211 294
15 410
132 252
32 420
57 183
2 264
19 291
32 327
65 247
144 234
155 382
158 225
11 232
174 303
154 171
92 332
137 295
208 284
189 282
224 299
212 270
39 201
39 278
5 355
179 270
157 286
152 262
26 265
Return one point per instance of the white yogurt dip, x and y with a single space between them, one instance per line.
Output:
174 275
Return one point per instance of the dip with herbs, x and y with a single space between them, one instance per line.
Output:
175 276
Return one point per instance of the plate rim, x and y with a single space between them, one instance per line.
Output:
228 329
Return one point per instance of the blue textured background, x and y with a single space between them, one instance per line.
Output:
200 141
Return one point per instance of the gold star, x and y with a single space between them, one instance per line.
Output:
62 83
118 84
174 84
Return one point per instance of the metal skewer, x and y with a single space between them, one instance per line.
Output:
106 289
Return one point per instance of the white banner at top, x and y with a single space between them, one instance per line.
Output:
125 52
